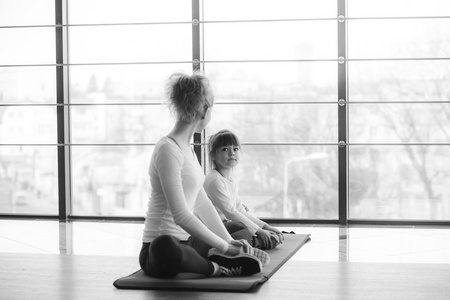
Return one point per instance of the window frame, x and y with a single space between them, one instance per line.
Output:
342 103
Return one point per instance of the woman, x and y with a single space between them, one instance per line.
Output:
183 231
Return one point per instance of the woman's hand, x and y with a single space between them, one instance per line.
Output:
238 246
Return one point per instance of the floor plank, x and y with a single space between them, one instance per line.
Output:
48 276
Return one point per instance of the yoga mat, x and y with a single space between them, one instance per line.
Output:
193 282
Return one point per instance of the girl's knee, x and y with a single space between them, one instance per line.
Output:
234 226
240 225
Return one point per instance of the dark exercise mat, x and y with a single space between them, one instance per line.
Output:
193 282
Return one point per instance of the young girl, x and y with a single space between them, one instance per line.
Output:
224 155
183 232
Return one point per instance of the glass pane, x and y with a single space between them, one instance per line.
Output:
110 180
22 46
138 43
277 123
114 181
28 85
27 125
399 182
270 40
27 12
398 8
267 9
289 181
129 11
400 123
406 38
399 80
28 179
119 123
287 82
121 83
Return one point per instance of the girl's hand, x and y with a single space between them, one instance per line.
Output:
264 236
278 233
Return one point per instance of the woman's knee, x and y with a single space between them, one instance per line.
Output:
164 241
160 256
166 247
143 255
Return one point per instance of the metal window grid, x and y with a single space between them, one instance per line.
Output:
63 106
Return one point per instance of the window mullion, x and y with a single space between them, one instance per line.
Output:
198 137
62 111
342 114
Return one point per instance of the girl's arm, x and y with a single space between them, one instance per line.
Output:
251 217
264 227
273 229
210 217
169 163
219 195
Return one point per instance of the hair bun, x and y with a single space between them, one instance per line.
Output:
188 95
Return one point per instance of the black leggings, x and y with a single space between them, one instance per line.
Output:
167 256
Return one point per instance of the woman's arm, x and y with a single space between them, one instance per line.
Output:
209 215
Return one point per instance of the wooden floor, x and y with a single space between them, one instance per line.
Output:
81 260
49 276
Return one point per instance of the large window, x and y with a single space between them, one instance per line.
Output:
341 106
275 71
399 110
28 162
118 64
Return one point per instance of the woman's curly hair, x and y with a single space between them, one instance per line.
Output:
189 96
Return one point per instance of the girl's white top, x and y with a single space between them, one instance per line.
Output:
224 194
178 205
